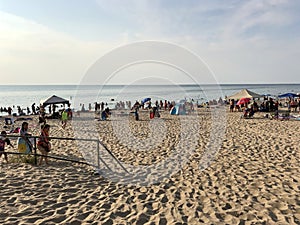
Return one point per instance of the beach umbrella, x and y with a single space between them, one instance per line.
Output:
146 100
243 101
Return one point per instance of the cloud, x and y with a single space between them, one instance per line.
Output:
208 21
41 54
251 38
257 17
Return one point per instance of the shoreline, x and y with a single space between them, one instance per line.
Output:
25 96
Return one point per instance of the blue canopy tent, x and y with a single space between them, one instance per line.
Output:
178 109
288 95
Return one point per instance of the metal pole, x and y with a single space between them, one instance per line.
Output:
98 158
35 156
114 157
97 166
98 154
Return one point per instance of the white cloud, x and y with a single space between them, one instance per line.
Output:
240 40
257 14
34 53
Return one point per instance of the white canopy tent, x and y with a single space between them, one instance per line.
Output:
245 93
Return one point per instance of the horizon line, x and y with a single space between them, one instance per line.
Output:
59 84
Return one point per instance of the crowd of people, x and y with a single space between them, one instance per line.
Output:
104 111
21 111
44 146
267 105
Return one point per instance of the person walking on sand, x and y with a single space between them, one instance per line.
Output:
64 118
231 105
44 144
3 140
33 109
9 110
136 113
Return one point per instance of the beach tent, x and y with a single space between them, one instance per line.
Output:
245 93
178 109
54 100
288 95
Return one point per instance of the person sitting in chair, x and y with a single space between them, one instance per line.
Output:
251 112
246 111
105 114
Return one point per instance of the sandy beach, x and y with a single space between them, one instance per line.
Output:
253 179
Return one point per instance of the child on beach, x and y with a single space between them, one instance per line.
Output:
4 140
24 144
44 143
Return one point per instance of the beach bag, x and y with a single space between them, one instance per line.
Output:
23 146
151 115
45 145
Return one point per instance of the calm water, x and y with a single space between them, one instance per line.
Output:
25 95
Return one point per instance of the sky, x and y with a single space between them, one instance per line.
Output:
59 41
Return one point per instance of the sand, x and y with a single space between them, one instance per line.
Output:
253 179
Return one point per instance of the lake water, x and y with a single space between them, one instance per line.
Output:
25 95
